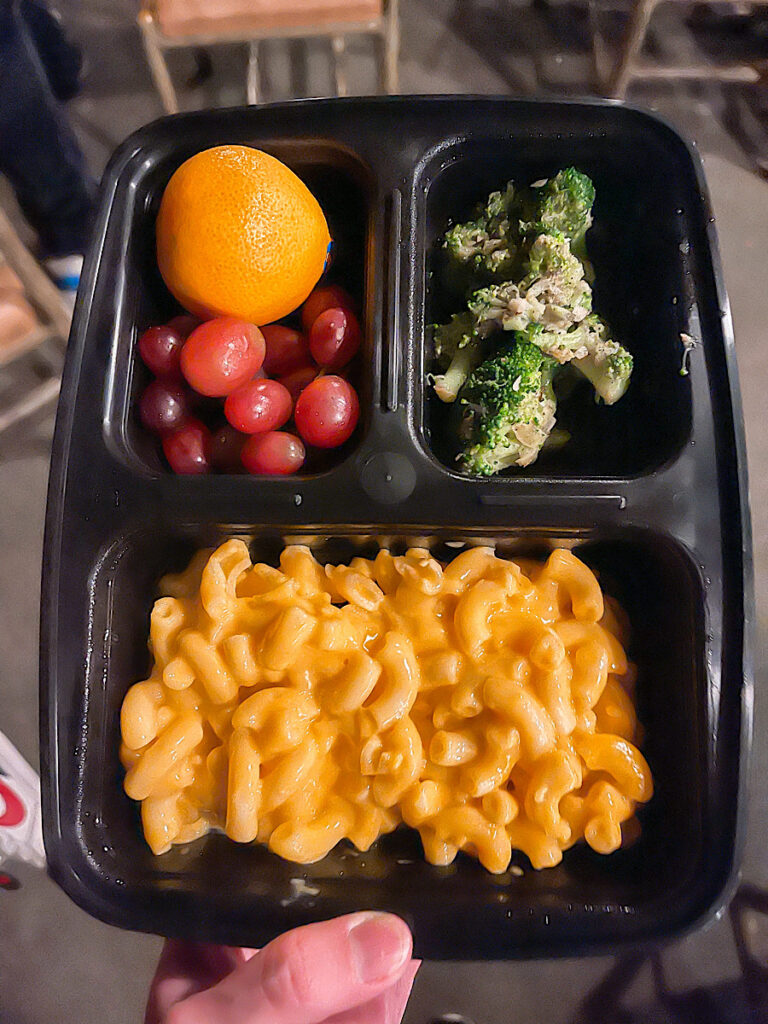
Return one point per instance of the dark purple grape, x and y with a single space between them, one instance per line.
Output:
164 406
160 349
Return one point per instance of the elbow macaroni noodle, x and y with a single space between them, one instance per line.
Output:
485 703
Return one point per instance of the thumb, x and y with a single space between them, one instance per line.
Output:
307 974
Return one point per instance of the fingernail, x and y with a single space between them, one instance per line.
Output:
380 946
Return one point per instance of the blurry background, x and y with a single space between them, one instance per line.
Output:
698 65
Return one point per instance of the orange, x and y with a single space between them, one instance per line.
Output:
238 234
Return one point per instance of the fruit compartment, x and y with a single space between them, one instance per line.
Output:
343 185
648 214
215 890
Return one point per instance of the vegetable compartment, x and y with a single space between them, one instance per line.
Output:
636 245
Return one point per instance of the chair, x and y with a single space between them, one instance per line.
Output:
167 24
616 76
35 314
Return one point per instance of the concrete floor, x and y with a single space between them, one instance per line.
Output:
57 964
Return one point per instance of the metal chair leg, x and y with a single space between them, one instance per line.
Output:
338 45
600 62
37 399
630 46
157 65
391 47
252 81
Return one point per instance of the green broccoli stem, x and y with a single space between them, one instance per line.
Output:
609 376
447 385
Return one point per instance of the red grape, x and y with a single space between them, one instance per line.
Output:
183 324
222 354
334 338
188 448
275 453
327 412
258 406
322 299
160 350
164 406
296 382
287 350
226 448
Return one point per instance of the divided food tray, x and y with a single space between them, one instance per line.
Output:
650 492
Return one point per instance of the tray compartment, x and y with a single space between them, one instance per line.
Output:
638 245
342 184
215 890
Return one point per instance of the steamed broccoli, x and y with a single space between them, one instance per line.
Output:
509 410
550 256
565 206
489 244
608 371
522 262
553 293
590 350
458 351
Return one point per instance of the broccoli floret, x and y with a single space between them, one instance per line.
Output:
553 294
555 275
565 204
605 363
500 205
509 410
489 244
499 306
591 350
458 351
563 346
609 373
550 256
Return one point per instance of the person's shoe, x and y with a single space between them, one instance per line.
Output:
65 272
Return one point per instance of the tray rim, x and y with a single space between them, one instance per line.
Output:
73 884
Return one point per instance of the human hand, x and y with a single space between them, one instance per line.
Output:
350 970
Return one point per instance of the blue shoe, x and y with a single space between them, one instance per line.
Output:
65 272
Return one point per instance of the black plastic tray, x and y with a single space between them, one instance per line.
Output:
652 492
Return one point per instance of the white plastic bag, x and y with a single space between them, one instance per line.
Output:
21 833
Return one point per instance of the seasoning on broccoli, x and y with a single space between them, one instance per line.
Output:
553 292
509 410
590 349
525 270
489 244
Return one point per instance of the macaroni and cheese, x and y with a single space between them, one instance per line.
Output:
486 703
